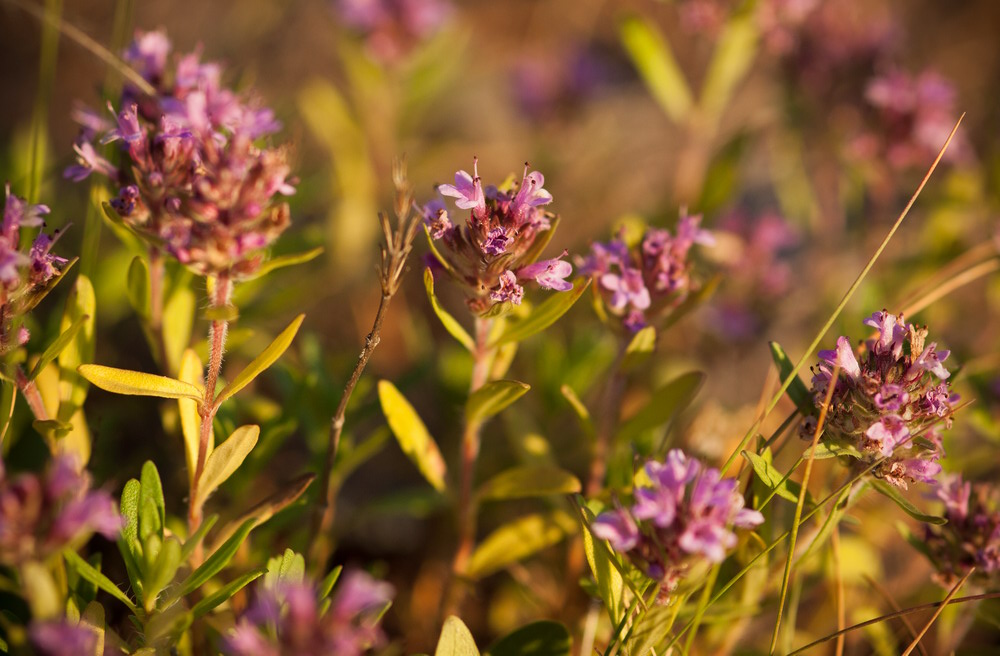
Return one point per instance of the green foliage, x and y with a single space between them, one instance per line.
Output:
226 459
529 481
138 286
411 434
492 398
519 539
797 390
894 494
267 357
545 638
217 561
547 313
663 405
456 640
449 322
773 479
136 383
655 62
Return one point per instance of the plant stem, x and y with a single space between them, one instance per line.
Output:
470 454
323 514
156 275
31 394
220 296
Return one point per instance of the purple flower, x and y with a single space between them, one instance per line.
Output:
891 398
129 130
549 274
844 356
892 331
61 638
618 528
954 492
930 360
468 190
628 290
530 195
497 241
509 290
887 433
88 161
148 55
602 257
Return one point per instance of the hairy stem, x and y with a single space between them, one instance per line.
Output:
157 270
31 394
219 298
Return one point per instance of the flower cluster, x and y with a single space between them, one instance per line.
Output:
685 514
392 28
492 254
195 179
42 514
62 638
287 619
891 401
24 271
971 538
644 282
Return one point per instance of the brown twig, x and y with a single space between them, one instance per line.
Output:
394 253
951 595
880 589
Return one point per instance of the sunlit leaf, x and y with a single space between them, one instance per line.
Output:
544 315
87 571
285 261
191 372
411 434
72 386
93 618
225 593
449 322
663 405
178 321
226 459
268 357
217 561
162 572
492 398
137 288
581 411
529 481
58 346
640 348
455 640
137 383
152 512
519 539
198 537
544 638
735 51
650 629
896 496
266 509
797 391
773 479
289 567
651 54
610 584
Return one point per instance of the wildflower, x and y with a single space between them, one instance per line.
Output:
287 620
685 514
971 536
391 28
194 180
493 250
893 397
61 638
642 284
43 514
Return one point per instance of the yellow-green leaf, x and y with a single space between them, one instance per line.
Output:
734 56
455 640
640 348
529 481
191 372
80 350
449 322
262 361
138 286
663 405
492 398
57 346
88 572
137 383
543 316
226 459
437 254
411 434
519 539
178 321
610 584
651 54
285 261
797 390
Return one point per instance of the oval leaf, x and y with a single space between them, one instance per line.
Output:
640 348
518 540
530 481
57 346
544 638
543 316
262 361
455 640
663 405
411 434
138 286
893 493
491 398
226 459
136 383
449 322
651 54
191 372
774 479
797 390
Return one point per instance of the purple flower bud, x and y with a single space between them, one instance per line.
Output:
618 528
508 290
497 241
128 129
147 54
892 332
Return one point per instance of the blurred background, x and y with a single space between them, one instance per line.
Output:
798 128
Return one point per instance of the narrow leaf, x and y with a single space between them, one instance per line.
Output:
529 481
226 459
283 261
734 55
664 404
438 256
543 316
455 640
449 322
411 434
152 513
492 398
198 536
57 346
581 411
262 361
217 561
893 493
136 383
541 241
87 571
138 286
519 539
774 479
191 372
225 593
610 584
640 348
266 509
72 386
651 54
544 638
178 321
797 390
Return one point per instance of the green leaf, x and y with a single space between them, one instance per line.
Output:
650 629
128 539
797 391
178 321
225 593
541 241
519 539
411 434
152 513
543 316
191 372
640 348
449 322
217 561
893 493
492 398
329 581
262 361
529 481
285 261
544 638
72 386
610 584
289 567
456 639
137 288
772 478
734 56
162 572
136 383
663 405
651 54
437 254
198 536
226 459
87 571
58 346
830 447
